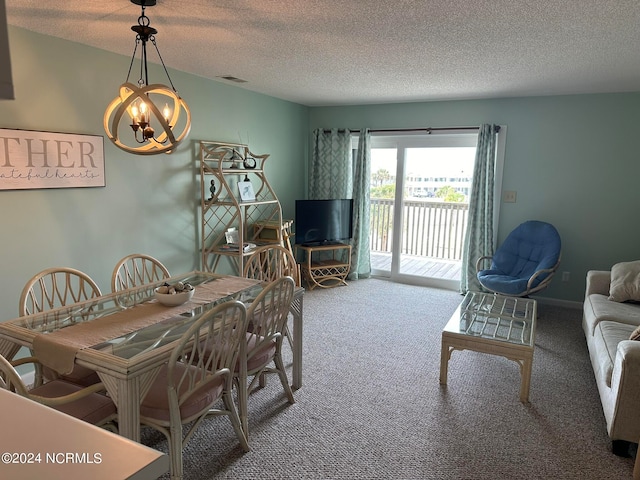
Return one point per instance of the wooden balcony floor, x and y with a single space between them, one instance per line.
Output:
419 266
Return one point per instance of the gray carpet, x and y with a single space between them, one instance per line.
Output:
371 406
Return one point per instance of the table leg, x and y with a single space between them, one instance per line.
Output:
127 394
445 354
8 349
525 370
129 409
296 310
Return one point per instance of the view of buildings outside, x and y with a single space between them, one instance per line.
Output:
441 174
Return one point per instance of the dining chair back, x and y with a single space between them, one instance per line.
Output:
84 403
137 269
266 318
56 287
200 371
52 288
270 262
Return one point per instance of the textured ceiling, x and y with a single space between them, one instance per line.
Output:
339 52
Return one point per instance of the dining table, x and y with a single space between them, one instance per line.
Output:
127 336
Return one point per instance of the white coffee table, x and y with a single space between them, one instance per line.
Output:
493 324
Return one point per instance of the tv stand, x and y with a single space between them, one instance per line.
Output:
325 265
322 244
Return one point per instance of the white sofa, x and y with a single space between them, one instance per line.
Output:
608 325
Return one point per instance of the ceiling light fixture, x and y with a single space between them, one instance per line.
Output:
147 106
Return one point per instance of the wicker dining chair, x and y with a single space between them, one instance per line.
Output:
270 262
266 320
199 372
137 269
56 287
53 288
84 403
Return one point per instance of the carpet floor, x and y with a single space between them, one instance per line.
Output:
371 406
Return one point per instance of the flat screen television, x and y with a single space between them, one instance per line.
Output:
323 222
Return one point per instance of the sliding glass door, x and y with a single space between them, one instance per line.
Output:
420 187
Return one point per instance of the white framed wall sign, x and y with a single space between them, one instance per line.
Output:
30 160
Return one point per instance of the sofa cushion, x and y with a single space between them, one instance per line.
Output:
598 308
625 282
606 338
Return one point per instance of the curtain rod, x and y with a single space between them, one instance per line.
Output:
428 130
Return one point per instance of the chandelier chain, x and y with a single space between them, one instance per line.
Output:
133 58
153 40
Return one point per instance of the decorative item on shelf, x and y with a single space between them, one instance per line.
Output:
235 159
246 190
142 103
249 162
212 189
234 247
231 236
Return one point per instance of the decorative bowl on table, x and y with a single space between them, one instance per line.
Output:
174 295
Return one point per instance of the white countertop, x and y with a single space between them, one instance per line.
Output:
38 442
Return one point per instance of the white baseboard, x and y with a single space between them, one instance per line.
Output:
556 302
455 285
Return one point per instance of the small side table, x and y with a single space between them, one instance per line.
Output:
496 325
328 268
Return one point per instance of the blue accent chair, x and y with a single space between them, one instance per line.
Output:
525 262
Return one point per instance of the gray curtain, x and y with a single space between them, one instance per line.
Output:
331 169
361 251
478 241
337 172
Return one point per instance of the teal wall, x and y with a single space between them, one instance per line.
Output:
573 161
149 203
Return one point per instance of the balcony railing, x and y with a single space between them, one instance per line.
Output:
429 229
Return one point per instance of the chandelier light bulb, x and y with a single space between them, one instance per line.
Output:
134 115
